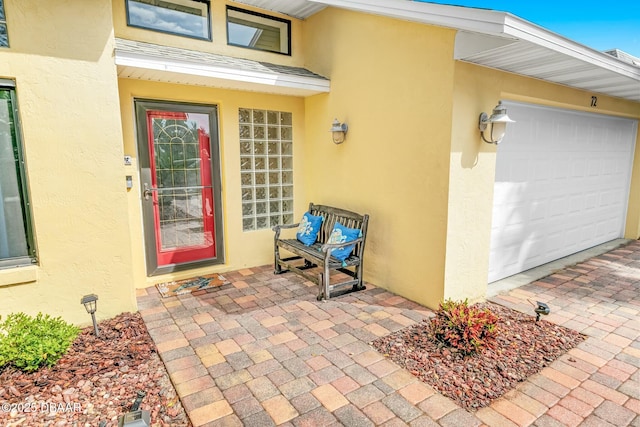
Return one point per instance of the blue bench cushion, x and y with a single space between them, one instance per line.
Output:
342 234
308 229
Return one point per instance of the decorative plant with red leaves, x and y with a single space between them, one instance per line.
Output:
464 328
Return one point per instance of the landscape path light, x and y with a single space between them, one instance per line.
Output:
540 308
90 303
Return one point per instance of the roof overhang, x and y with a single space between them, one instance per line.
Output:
497 40
527 49
146 61
299 9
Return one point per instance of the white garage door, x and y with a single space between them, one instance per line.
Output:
562 185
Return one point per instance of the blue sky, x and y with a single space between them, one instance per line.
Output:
601 25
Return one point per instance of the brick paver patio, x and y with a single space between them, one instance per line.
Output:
262 351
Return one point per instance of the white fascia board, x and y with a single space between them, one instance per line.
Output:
457 17
488 22
234 74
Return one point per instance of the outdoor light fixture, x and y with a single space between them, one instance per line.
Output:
498 122
136 417
90 303
338 131
540 308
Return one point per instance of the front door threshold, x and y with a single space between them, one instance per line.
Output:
528 276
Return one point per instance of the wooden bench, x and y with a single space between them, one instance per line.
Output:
319 254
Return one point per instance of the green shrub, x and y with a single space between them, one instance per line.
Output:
467 329
29 343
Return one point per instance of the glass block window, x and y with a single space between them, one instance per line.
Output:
266 168
4 38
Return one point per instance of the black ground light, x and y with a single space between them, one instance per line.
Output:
541 308
90 303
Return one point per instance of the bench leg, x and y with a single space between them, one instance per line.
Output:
277 268
326 282
359 286
321 293
276 256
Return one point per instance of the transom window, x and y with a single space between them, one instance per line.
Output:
16 238
190 18
266 168
257 31
4 37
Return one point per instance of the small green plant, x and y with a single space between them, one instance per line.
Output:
467 329
31 342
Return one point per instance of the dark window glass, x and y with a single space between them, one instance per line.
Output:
257 31
4 38
16 239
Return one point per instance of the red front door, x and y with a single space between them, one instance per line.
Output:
180 188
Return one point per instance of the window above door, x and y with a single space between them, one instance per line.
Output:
189 18
255 30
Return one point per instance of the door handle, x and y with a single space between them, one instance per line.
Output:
148 191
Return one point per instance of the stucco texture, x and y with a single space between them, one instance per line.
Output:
218 43
391 81
413 158
68 99
473 162
242 249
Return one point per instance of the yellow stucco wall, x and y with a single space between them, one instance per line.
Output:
392 82
242 249
218 44
68 99
413 158
408 103
472 171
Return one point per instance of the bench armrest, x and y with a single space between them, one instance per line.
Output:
279 228
325 247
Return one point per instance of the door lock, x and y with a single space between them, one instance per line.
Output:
148 191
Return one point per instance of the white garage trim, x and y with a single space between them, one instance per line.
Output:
562 185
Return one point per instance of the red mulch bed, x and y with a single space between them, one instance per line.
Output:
95 381
523 348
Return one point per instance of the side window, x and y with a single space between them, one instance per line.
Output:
257 31
4 37
190 18
16 237
266 168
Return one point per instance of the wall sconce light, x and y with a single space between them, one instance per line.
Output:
498 121
90 303
338 131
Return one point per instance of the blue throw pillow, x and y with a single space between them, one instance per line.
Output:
308 228
342 234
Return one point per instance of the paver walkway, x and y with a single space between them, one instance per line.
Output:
262 351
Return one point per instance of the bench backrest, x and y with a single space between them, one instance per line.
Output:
349 219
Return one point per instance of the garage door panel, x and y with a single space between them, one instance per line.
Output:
562 183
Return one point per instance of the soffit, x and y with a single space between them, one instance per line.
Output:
147 61
497 40
527 49
300 9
